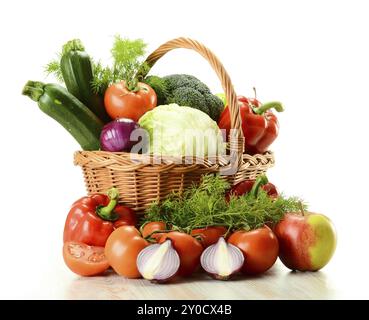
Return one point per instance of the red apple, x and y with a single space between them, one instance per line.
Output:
307 241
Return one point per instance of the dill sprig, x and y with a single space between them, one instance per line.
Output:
53 67
102 78
127 62
205 205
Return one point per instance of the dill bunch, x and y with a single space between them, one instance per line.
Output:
205 205
127 62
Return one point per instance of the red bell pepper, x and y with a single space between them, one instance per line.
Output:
253 187
93 218
259 125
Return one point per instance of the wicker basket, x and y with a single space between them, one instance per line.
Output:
140 179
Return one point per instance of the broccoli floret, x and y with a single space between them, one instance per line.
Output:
216 104
186 96
187 90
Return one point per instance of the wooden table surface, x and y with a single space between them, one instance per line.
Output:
278 283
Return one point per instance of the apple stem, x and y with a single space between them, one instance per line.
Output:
302 208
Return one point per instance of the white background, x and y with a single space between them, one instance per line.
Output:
312 55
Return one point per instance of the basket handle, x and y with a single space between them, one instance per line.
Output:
236 136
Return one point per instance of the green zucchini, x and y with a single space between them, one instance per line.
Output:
76 69
72 114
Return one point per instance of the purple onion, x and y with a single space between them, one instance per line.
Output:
158 262
115 136
222 260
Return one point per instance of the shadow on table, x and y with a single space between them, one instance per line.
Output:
308 285
201 276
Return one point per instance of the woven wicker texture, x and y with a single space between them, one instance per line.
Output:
141 180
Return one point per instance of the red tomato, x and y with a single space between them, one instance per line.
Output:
122 103
83 259
188 249
260 248
209 235
122 248
153 226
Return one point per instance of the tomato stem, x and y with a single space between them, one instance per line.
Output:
207 226
199 237
107 212
260 181
142 226
269 105
155 232
132 85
